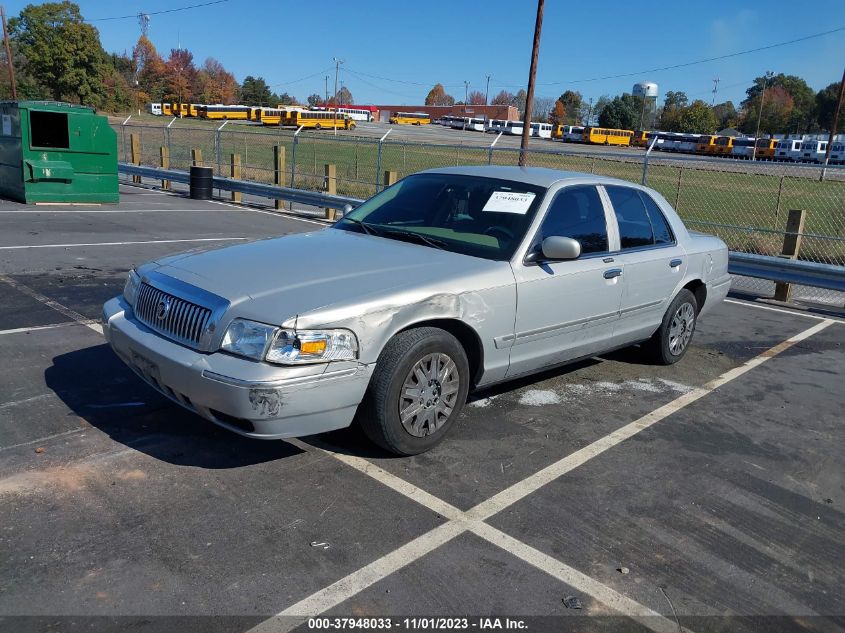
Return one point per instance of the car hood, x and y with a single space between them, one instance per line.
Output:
274 279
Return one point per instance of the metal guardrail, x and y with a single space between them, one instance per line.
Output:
785 270
778 269
274 192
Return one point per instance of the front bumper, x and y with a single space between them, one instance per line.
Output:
251 398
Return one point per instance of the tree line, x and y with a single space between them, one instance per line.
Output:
789 106
58 56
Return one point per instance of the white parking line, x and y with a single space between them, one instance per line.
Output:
751 304
58 307
473 519
199 239
22 330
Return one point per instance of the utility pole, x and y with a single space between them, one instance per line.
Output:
532 72
466 98
337 63
9 56
715 87
769 75
589 114
487 91
327 91
836 112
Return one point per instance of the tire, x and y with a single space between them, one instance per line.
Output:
395 375
671 341
318 127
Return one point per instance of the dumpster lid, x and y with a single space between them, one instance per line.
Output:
49 170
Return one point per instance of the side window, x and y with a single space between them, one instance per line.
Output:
634 225
577 212
662 231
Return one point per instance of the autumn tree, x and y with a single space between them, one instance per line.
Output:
622 112
437 96
503 98
675 99
519 101
697 118
314 100
802 114
541 108
476 97
60 50
572 102
344 96
150 69
777 112
214 84
726 115
558 114
180 74
286 99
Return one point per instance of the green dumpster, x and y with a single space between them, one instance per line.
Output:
56 152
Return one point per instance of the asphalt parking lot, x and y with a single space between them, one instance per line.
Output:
707 496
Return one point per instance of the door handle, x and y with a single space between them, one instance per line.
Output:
613 272
675 262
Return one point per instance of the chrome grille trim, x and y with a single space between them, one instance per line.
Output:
185 322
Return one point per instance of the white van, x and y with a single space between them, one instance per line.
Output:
154 109
813 151
788 149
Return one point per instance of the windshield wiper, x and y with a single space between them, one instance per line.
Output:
368 228
425 239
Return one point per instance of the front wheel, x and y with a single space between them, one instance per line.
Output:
669 344
318 127
417 391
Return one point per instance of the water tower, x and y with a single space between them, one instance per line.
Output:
647 91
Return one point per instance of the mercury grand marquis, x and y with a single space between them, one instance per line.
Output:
448 281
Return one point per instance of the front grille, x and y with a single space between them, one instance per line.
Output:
182 321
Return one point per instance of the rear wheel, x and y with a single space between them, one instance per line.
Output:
318 127
417 391
669 344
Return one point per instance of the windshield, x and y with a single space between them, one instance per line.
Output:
481 217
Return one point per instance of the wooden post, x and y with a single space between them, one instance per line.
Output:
331 188
235 173
135 148
279 171
791 247
164 154
678 189
196 157
389 178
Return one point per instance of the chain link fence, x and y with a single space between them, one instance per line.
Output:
744 203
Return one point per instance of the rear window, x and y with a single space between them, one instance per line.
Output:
49 129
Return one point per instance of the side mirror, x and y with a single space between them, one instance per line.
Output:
346 209
556 248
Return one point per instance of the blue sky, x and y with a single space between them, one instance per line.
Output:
389 49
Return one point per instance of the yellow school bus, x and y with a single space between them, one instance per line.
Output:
410 118
185 109
318 120
706 144
723 146
167 109
641 138
224 112
606 136
766 148
269 116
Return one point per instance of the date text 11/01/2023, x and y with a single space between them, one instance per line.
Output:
418 623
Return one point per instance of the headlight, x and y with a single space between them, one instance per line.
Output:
260 341
247 338
312 346
133 284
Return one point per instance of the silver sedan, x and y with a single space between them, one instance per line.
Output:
450 280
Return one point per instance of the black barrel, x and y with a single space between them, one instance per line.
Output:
201 182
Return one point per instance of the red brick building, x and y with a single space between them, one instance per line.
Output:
508 113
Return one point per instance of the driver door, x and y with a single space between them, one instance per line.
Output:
568 309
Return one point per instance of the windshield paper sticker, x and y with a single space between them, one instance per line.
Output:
509 202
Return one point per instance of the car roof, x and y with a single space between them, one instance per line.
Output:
540 176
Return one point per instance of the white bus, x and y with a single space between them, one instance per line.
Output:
477 124
494 126
459 122
813 151
154 109
541 130
743 147
514 128
572 133
837 153
357 114
788 149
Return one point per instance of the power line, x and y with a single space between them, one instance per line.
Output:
296 81
135 15
402 81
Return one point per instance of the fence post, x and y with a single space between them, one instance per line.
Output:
135 149
645 161
196 157
279 170
235 173
678 189
164 154
378 158
331 187
780 194
389 178
791 247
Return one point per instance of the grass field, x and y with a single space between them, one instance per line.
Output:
747 209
